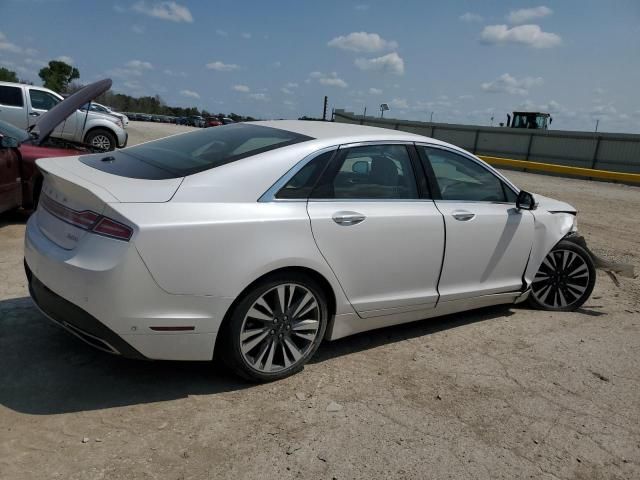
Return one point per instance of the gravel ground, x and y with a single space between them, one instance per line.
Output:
497 393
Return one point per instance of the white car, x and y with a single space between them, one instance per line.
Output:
21 105
99 108
259 240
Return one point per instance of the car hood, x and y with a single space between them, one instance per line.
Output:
51 119
553 205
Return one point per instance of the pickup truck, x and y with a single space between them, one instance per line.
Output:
22 104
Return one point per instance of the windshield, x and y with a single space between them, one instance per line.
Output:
8 130
189 153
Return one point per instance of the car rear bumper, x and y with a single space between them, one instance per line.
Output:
102 292
76 321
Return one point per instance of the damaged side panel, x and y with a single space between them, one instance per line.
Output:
549 229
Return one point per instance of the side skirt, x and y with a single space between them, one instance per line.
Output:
349 324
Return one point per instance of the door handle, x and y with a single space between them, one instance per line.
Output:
348 218
34 114
463 216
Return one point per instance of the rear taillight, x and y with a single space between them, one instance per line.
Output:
111 228
87 220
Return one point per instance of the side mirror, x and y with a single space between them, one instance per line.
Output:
361 166
525 201
8 142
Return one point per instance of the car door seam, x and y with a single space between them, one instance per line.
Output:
325 259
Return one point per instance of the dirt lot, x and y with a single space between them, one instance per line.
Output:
498 393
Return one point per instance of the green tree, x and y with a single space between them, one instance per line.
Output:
7 75
57 75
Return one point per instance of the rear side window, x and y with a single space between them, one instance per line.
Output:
370 172
189 153
11 96
302 183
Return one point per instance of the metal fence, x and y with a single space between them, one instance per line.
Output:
616 152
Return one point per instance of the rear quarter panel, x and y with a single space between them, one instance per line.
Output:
218 249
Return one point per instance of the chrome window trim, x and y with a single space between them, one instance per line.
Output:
270 194
369 143
481 163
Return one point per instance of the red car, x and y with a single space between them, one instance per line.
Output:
20 180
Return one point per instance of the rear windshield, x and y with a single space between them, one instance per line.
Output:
190 153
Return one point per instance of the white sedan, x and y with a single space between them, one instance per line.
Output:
256 241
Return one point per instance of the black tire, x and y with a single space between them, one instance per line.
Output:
100 137
231 346
565 279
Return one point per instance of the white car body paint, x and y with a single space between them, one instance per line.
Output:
199 241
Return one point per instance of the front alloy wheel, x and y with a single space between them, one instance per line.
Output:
276 328
565 279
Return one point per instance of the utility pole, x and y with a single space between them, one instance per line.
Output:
324 110
431 119
365 112
597 122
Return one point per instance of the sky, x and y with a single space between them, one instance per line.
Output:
454 61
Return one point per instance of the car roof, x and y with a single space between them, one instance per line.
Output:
343 132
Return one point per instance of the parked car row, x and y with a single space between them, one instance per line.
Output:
21 105
191 120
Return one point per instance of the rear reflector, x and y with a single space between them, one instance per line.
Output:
87 220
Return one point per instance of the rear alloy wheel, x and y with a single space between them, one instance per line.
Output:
276 328
102 139
565 279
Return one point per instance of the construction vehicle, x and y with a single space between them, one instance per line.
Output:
535 120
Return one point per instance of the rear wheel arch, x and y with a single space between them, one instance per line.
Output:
317 277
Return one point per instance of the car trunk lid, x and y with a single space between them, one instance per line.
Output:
74 194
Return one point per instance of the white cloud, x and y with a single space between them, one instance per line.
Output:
333 82
119 8
222 67
7 46
465 97
550 107
263 97
506 83
329 79
599 91
287 91
471 17
362 42
66 59
189 93
170 10
222 33
241 88
139 29
133 85
375 91
530 35
34 62
291 85
171 73
276 64
526 15
399 103
246 35
138 65
390 63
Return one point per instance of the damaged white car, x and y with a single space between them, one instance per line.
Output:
256 241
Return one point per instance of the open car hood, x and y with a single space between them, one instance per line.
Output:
48 121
